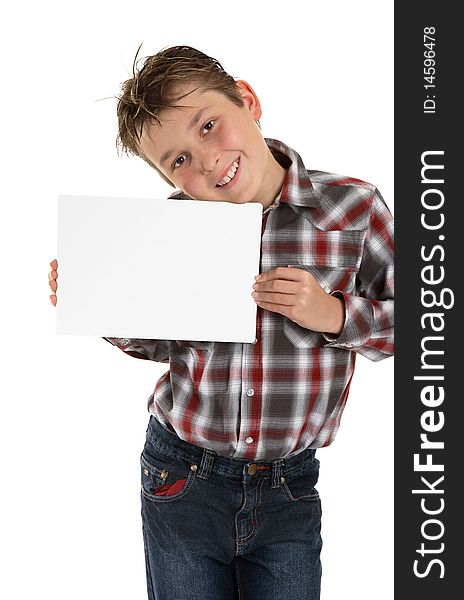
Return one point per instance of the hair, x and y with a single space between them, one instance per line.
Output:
158 83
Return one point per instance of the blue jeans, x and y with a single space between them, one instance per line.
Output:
218 528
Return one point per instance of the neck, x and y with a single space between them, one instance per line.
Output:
276 176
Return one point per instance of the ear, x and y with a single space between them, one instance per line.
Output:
250 99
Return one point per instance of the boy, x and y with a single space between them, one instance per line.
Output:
229 505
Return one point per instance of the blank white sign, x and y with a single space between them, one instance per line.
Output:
157 269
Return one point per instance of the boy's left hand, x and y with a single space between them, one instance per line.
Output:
296 294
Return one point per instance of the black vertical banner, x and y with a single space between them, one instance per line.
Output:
429 429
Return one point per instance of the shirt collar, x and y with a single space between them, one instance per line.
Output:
297 189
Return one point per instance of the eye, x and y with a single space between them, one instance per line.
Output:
208 126
178 162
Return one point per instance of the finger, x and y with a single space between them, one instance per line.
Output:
288 273
278 308
54 264
53 285
274 298
53 299
52 279
278 285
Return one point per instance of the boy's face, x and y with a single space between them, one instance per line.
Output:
213 149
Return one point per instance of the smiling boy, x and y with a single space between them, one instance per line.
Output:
229 504
198 145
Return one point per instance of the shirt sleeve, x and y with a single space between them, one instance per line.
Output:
157 350
368 327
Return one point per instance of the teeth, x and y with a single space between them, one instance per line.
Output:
230 174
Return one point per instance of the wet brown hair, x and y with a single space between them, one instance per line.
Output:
157 85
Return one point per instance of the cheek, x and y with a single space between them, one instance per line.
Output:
232 138
248 141
190 182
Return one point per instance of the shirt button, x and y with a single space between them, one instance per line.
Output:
249 440
327 289
250 392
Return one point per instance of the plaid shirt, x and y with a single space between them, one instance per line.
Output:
287 391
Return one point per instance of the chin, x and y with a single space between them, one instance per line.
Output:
241 201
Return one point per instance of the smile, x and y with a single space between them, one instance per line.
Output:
230 174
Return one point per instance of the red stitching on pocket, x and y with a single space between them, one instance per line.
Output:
170 488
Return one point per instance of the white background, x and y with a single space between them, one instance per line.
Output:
73 409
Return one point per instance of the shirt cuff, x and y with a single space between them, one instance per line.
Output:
121 343
357 327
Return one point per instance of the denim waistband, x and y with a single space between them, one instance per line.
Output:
209 461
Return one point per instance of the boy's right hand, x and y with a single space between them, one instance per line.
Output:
52 280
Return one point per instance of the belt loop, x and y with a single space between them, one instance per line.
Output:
206 464
276 473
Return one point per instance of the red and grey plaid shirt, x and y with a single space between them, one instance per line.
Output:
287 391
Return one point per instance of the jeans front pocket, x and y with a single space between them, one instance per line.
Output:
299 484
165 478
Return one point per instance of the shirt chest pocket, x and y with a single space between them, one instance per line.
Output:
331 279
333 260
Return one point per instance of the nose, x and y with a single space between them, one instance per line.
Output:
207 159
